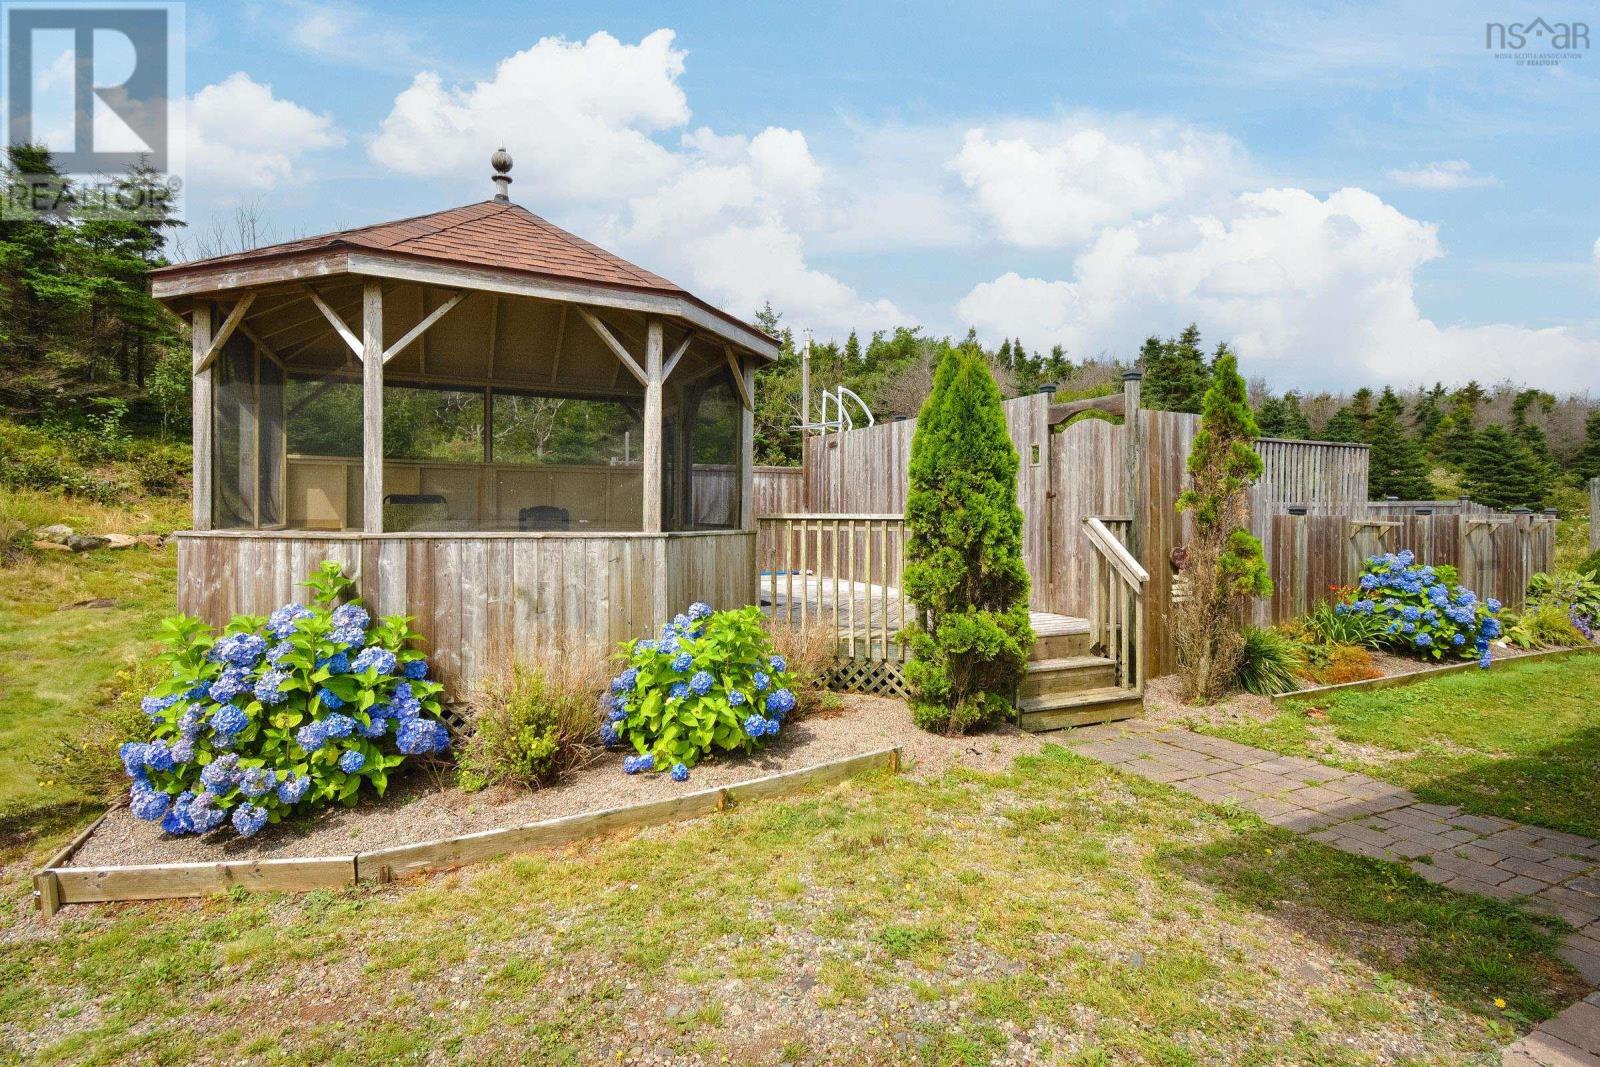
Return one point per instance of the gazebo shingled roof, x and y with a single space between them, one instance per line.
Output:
492 234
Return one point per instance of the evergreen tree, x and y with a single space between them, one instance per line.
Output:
1428 414
1527 404
1344 426
1502 472
1296 426
1458 434
852 349
1224 564
1396 464
1271 417
1175 372
1587 463
964 569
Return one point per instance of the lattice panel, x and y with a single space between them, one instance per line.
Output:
868 676
454 717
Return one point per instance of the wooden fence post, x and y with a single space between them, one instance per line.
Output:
1134 465
1594 514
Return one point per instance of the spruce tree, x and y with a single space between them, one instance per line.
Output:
1175 372
1502 472
1296 426
1271 417
1224 563
964 571
1587 463
1458 435
1396 464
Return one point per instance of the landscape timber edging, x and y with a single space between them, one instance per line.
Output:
56 884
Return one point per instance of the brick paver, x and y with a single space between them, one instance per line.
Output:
1547 870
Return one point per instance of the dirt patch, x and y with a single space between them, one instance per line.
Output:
425 804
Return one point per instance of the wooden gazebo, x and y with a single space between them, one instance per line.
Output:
567 450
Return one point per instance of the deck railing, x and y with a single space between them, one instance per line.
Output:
839 572
1116 603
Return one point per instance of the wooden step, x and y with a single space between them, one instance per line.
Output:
1058 636
1106 704
1068 674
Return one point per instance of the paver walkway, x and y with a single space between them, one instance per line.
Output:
1549 871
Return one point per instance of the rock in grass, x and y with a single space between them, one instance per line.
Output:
117 540
51 546
55 534
86 542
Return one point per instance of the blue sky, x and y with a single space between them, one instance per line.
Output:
1348 193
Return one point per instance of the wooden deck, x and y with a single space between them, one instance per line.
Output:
867 616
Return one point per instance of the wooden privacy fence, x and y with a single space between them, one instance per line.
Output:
840 574
1132 472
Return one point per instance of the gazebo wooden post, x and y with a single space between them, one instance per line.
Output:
652 427
201 408
747 449
372 408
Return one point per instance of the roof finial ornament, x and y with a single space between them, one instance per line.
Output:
501 161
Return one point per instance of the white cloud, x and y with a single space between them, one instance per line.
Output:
1319 290
1044 184
347 35
585 122
242 138
1445 174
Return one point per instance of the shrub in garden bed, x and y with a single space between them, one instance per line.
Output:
1573 594
1423 611
536 721
1268 662
281 714
710 683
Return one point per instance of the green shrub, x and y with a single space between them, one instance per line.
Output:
535 722
1224 565
964 569
1326 623
811 656
286 712
1268 662
1423 613
1546 625
162 471
710 683
1590 565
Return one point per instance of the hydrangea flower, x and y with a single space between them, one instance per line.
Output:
258 781
417 737
679 772
222 774
608 734
282 623
636 764
374 658
228 720
329 698
770 727
339 725
269 687
682 662
1493 605
202 813
701 683
678 691
338 663
230 684
1423 640
780 703
132 755
699 610
415 669
624 682
617 713
276 654
755 726
153 706
352 761
350 615
311 736
183 751
779 664
248 819
762 681
147 803
158 756
377 725
238 650
293 789
736 699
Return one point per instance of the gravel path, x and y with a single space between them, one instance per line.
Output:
426 805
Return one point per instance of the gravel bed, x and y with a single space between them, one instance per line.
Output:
425 804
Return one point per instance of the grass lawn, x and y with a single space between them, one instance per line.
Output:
1521 740
67 624
1055 913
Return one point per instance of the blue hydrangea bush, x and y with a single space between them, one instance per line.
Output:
710 683
1422 610
281 714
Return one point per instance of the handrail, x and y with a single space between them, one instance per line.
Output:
1115 551
813 516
